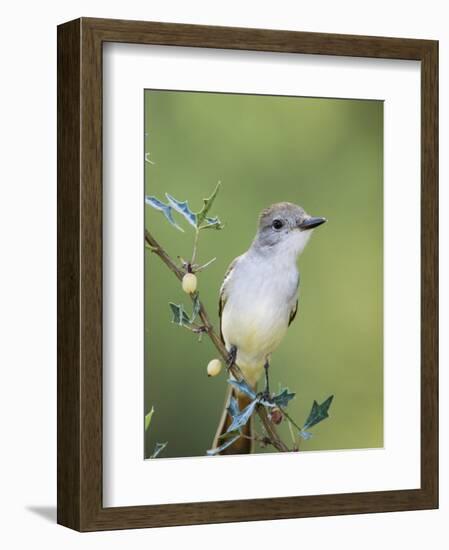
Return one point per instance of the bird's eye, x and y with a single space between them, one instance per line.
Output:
277 224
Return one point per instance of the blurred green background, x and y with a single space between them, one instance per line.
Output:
327 156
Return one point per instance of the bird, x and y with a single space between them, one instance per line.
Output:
258 301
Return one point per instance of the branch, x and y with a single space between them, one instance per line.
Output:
216 340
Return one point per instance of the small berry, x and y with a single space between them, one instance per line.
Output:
189 283
214 367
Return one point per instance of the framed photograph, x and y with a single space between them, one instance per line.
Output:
247 274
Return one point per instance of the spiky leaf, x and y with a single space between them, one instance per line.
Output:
240 419
198 220
243 387
196 307
211 223
180 317
283 398
233 407
166 209
159 447
202 214
318 413
305 435
183 209
148 418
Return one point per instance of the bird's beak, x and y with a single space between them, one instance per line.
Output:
311 222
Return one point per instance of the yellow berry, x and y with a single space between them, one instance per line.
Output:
214 367
189 283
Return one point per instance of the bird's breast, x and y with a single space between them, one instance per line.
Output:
257 311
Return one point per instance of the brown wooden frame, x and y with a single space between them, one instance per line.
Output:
80 274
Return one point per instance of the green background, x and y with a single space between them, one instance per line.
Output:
327 156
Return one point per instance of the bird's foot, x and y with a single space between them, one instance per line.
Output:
231 357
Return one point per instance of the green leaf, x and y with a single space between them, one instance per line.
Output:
166 209
159 447
318 413
202 214
226 444
283 398
148 418
183 209
212 223
240 419
196 307
233 407
243 387
180 317
198 220
305 435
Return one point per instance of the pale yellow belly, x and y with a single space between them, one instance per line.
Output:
256 331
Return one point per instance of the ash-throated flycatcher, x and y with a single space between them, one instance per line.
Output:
259 300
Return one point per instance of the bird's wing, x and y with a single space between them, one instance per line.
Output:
223 290
293 313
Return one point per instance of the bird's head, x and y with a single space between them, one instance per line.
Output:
285 227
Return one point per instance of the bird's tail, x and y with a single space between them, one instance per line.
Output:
243 445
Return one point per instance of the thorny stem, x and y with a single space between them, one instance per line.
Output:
270 429
262 440
195 246
207 264
292 435
289 418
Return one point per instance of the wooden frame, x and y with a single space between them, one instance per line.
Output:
80 274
